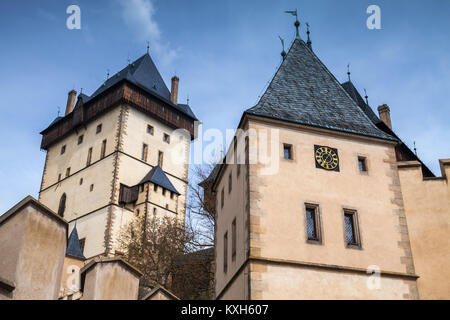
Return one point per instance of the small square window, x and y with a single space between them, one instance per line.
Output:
63 149
150 129
80 139
99 128
362 164
287 151
166 138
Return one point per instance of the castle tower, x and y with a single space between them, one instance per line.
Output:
324 218
120 153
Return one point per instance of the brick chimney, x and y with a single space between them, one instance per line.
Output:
174 90
385 115
70 101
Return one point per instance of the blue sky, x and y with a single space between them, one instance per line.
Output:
224 53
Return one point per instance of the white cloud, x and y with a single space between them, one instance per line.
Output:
139 16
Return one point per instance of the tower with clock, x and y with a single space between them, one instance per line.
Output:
333 213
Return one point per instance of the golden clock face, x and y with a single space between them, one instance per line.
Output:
326 158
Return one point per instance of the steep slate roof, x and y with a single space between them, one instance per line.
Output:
304 91
73 245
354 94
158 177
145 75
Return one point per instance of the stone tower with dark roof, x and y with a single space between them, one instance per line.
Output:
109 157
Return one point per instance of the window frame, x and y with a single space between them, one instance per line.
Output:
233 240
291 151
150 130
317 223
144 153
225 252
103 150
356 228
89 157
166 138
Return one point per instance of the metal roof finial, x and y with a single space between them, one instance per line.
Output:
187 100
296 23
415 149
59 110
366 96
348 72
283 53
107 74
308 42
148 47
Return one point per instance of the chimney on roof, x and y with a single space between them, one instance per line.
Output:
70 101
385 115
174 90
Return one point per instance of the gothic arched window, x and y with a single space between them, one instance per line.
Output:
62 205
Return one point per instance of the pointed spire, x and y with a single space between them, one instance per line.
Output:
308 42
73 245
296 23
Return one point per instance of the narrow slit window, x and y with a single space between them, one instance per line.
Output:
230 182
233 240
312 223
225 252
89 157
99 128
80 139
144 152
222 198
63 149
160 158
68 172
103 151
82 244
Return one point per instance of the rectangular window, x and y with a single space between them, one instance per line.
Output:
222 197
225 252
149 129
91 188
351 228
68 172
230 182
233 240
82 243
362 164
99 128
89 157
141 188
59 177
160 158
63 149
155 187
164 192
103 151
144 152
312 222
166 138
238 165
287 149
80 139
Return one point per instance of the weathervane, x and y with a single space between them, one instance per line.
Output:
59 110
296 24
283 53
